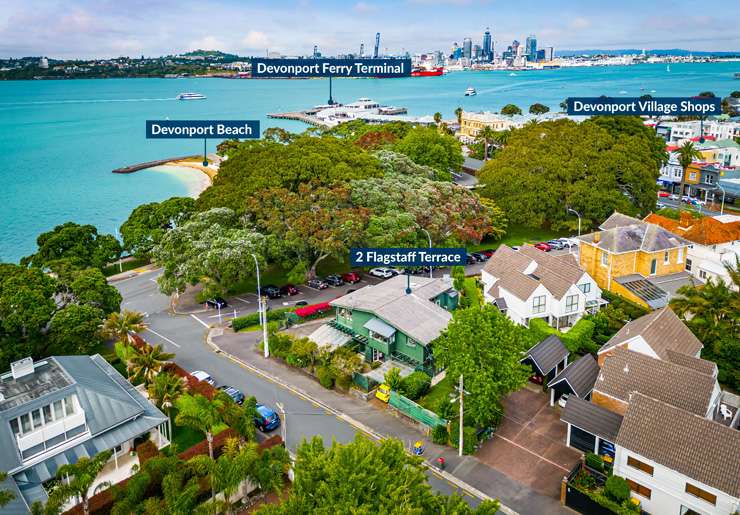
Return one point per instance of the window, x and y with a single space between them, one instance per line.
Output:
47 414
14 426
701 494
692 176
702 274
36 416
688 265
666 257
346 314
58 410
538 304
69 405
639 489
653 266
635 463
585 287
709 179
571 303
680 255
604 259
411 342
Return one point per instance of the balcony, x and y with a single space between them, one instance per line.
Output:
51 435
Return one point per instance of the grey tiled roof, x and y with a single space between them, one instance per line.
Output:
625 372
580 375
662 330
621 233
701 449
547 353
592 418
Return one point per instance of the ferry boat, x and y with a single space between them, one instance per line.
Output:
427 72
470 92
190 96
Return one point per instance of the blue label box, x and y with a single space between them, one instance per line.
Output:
202 129
663 106
423 256
306 68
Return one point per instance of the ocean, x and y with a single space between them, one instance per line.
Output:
59 140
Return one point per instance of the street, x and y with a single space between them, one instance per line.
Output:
674 204
184 335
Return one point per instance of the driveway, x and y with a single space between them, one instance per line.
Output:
530 444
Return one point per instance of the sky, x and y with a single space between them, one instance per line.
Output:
111 28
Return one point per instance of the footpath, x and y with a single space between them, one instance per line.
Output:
466 472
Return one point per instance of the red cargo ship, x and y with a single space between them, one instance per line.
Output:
427 72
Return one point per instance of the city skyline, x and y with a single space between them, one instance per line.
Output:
162 27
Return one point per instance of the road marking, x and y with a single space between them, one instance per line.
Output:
243 300
532 453
200 321
153 280
163 337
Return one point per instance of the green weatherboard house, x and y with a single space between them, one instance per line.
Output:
390 324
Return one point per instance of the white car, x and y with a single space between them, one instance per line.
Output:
673 196
569 242
203 376
383 273
563 400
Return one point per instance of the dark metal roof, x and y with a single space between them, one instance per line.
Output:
580 375
592 418
654 296
547 354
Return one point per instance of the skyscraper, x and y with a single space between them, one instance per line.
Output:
362 49
467 48
377 45
487 45
531 48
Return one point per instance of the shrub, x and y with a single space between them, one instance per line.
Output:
343 381
445 409
146 451
584 480
393 378
304 352
326 377
281 344
440 435
595 462
251 319
577 339
415 385
470 438
617 489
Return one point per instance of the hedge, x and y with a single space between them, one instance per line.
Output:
146 451
273 315
440 435
415 385
577 339
326 378
470 437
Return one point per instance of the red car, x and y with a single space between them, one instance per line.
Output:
663 194
289 289
543 247
487 252
351 277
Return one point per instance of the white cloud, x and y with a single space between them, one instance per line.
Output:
256 39
207 43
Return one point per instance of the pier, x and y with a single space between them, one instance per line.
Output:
149 164
305 117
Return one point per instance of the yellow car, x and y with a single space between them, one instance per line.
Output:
383 393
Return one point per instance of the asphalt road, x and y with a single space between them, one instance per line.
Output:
184 335
674 204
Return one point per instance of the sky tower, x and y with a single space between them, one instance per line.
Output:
377 45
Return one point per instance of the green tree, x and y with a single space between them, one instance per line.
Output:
538 108
120 326
394 163
75 480
686 155
458 114
75 246
90 287
278 134
75 329
337 479
164 391
5 495
426 146
511 110
201 414
437 118
147 361
393 378
483 346
148 223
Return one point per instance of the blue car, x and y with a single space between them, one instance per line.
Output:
266 419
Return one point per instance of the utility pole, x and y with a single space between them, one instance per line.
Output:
262 312
460 443
284 425
430 248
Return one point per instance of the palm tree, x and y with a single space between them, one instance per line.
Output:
75 480
488 135
201 414
147 361
119 326
164 391
458 113
5 495
239 418
686 155
437 118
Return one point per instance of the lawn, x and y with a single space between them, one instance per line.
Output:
127 265
518 235
438 392
185 437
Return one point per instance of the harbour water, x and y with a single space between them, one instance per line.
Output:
59 140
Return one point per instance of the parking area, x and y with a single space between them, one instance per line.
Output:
529 447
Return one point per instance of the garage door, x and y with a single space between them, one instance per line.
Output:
582 440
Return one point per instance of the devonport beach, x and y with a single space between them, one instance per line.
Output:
62 139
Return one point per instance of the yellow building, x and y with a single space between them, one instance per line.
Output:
639 261
472 123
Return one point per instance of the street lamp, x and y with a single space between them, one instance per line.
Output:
722 207
430 247
579 219
262 312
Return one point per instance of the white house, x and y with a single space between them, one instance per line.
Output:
528 283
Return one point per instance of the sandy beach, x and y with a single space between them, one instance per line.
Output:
195 179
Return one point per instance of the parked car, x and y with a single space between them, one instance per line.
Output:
686 198
351 277
289 290
333 280
568 242
698 202
272 291
236 395
317 284
301 303
396 270
217 303
480 257
556 244
414 270
266 418
543 246
383 273
470 260
200 375
487 252
383 393
563 400
515 247
663 194
659 205
673 196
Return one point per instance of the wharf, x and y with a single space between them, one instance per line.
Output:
150 164
305 117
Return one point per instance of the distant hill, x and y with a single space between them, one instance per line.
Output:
652 51
212 54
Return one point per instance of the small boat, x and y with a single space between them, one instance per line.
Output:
512 74
190 96
623 92
737 75
470 92
667 67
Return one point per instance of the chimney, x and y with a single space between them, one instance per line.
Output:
597 237
685 220
22 368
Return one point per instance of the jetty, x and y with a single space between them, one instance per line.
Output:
150 164
300 116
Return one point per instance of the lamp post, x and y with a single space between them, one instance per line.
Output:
430 247
722 207
579 219
261 311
